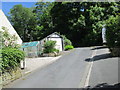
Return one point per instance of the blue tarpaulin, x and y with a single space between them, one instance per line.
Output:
29 44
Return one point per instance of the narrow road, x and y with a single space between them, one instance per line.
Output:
67 72
77 69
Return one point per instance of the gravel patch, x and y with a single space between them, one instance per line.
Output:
32 64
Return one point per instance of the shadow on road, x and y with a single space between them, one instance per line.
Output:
99 57
100 47
104 86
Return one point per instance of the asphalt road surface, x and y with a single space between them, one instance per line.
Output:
71 71
105 69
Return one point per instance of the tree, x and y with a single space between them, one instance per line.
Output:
65 20
113 35
24 21
82 22
44 20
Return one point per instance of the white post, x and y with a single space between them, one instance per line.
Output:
22 64
104 34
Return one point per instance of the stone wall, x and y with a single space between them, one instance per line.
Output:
7 77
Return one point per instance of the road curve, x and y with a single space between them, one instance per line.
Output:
67 72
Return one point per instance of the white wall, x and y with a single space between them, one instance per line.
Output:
4 22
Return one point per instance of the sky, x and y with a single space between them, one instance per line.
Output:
8 4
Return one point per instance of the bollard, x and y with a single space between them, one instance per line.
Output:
22 64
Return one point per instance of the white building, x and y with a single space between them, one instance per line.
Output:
4 22
54 37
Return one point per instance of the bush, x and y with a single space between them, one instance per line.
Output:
68 47
8 40
49 46
11 58
113 34
66 41
56 50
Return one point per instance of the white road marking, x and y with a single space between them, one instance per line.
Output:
86 76
90 69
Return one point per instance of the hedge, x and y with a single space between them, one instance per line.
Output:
113 35
11 58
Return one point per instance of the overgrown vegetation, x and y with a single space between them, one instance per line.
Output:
67 43
11 58
66 40
7 39
113 35
49 46
11 55
68 47
81 22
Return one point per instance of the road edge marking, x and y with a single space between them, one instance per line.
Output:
90 69
86 76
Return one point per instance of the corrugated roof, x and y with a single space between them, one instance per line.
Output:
29 44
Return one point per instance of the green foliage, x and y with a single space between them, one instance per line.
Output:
66 41
49 46
44 20
11 58
113 31
113 35
68 47
81 22
24 21
56 50
8 40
